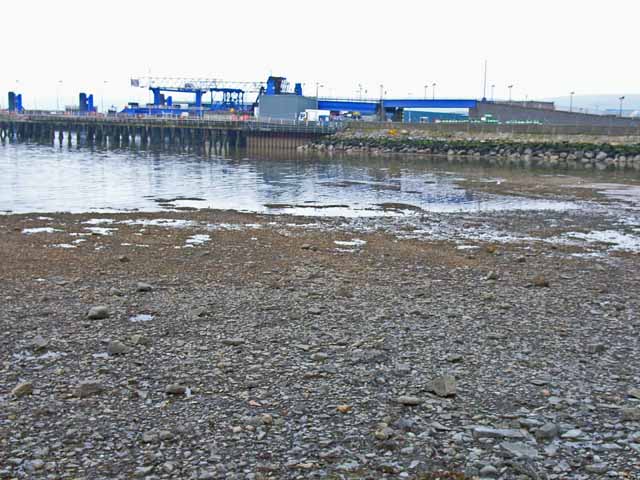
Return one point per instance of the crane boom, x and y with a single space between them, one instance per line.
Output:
192 84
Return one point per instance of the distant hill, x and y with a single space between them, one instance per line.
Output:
600 103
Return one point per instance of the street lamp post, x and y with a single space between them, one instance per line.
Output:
360 90
104 86
425 91
510 87
571 94
621 100
318 86
493 87
58 94
484 87
433 91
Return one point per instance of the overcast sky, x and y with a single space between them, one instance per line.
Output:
544 48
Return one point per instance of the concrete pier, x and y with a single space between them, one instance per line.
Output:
210 136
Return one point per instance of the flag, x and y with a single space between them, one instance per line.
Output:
135 82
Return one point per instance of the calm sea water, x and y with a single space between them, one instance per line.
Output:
40 178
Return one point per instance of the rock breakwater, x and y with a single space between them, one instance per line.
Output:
540 154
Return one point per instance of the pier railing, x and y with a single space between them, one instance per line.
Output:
250 124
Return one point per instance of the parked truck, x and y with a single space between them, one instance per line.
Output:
316 116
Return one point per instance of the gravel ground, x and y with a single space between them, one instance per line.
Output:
252 346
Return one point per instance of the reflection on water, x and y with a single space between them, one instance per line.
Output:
39 178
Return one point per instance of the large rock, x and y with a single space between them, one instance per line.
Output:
22 389
176 389
88 388
598 468
149 437
98 312
39 343
548 431
573 434
520 450
140 340
117 348
488 432
489 471
143 287
540 281
444 386
408 400
631 414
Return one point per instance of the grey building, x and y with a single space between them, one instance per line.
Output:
284 107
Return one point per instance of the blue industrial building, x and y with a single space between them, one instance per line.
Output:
393 107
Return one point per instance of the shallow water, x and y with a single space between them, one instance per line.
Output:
38 178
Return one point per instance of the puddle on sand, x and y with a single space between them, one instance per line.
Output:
45 356
197 239
99 221
356 242
160 222
31 231
614 240
618 191
63 245
467 247
141 317
101 230
233 226
356 245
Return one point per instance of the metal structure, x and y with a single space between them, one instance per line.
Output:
226 95
15 102
85 104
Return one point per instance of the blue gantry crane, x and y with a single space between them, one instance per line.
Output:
225 95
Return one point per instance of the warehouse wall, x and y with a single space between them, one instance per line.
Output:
284 107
